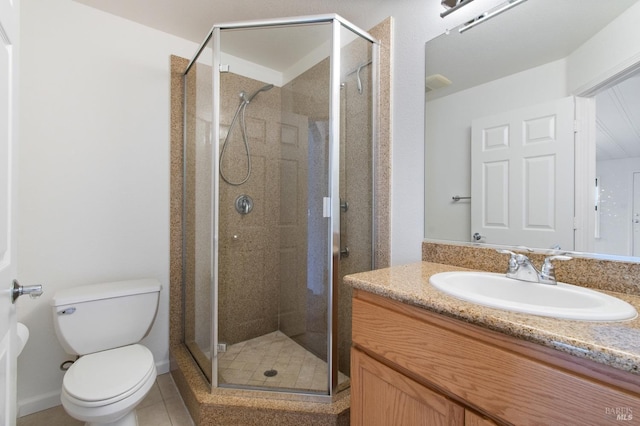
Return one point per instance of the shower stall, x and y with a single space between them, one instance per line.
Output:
278 200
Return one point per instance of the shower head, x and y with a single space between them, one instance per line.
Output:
248 99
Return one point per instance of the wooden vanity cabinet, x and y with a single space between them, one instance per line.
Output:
413 367
387 397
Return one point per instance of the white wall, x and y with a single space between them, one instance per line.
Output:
611 50
94 170
449 135
616 205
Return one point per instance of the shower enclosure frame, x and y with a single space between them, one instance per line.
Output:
331 202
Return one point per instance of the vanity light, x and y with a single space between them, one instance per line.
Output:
488 15
452 6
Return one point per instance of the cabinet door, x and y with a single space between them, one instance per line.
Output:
473 419
381 396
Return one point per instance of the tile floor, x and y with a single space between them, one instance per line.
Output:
245 363
162 407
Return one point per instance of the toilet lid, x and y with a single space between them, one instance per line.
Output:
108 374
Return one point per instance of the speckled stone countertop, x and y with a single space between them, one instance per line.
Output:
616 344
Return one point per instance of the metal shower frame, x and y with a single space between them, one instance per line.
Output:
213 40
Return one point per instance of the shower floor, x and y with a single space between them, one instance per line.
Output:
245 363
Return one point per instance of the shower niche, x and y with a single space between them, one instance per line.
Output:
279 143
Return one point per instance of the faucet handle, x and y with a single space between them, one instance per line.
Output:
513 262
557 257
515 257
548 271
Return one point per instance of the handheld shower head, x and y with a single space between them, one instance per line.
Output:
248 99
240 113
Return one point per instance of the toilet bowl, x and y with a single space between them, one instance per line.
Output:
104 387
103 323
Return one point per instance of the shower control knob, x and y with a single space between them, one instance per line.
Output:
244 204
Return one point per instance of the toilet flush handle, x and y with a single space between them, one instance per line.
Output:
67 311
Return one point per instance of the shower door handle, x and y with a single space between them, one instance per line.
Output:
344 207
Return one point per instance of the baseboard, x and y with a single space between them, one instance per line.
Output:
163 366
38 403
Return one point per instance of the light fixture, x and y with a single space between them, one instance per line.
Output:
452 6
436 81
488 15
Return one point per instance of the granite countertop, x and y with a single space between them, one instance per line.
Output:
616 344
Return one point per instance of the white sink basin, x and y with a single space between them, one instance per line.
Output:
558 301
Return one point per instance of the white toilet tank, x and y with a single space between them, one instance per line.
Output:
97 317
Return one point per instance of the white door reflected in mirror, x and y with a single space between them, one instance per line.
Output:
522 176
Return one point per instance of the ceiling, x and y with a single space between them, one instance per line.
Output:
618 120
193 19
265 46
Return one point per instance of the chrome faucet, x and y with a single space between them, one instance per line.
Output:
521 268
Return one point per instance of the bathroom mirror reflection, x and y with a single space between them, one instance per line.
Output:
537 55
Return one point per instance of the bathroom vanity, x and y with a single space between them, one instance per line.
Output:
420 357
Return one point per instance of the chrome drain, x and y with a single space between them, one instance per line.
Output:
270 373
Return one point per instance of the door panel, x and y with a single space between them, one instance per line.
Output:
496 194
383 396
522 176
539 192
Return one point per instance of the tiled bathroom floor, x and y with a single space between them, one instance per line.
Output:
245 363
162 407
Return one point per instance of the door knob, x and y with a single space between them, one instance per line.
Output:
18 290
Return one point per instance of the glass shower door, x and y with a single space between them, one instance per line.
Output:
273 236
356 177
197 210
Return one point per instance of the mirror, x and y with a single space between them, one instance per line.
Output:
537 52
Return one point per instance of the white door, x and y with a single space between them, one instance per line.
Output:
636 214
8 161
522 176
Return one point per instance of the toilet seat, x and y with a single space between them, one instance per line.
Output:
106 377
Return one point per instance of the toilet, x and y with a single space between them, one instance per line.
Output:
102 324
